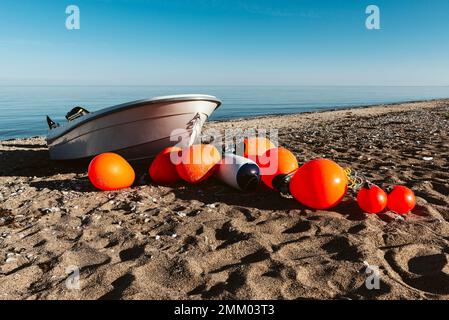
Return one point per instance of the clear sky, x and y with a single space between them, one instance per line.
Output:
224 42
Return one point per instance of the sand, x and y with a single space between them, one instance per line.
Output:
211 242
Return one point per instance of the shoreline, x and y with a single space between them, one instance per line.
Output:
392 104
209 241
343 108
362 111
274 115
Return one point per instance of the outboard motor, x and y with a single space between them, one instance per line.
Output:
76 113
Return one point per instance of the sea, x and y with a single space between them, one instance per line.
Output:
23 108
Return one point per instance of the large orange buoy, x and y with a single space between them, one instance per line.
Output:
319 184
256 146
162 169
109 171
274 163
198 162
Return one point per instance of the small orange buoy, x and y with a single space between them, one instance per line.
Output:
275 162
162 169
198 162
401 200
256 146
109 171
319 184
371 199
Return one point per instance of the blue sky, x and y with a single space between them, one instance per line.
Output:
224 42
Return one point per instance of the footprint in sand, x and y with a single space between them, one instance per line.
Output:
342 249
422 267
301 226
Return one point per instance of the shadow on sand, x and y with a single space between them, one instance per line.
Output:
35 162
30 163
212 191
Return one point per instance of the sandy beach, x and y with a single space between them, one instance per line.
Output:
209 241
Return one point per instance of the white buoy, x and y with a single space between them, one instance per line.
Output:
238 172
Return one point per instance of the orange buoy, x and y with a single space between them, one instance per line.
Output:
162 169
401 200
319 184
371 198
275 162
198 162
256 146
109 171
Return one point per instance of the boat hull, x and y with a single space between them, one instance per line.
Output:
135 131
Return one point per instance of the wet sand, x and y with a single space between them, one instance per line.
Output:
209 241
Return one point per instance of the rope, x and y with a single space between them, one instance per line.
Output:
355 180
195 125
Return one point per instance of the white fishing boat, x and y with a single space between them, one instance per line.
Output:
136 130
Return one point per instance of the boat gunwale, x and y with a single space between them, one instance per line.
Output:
134 104
123 123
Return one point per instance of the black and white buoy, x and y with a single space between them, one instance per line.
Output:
238 172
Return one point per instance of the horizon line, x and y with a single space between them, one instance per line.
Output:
221 85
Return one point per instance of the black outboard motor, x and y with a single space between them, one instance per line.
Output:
76 113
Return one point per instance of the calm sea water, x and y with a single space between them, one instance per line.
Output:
23 109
